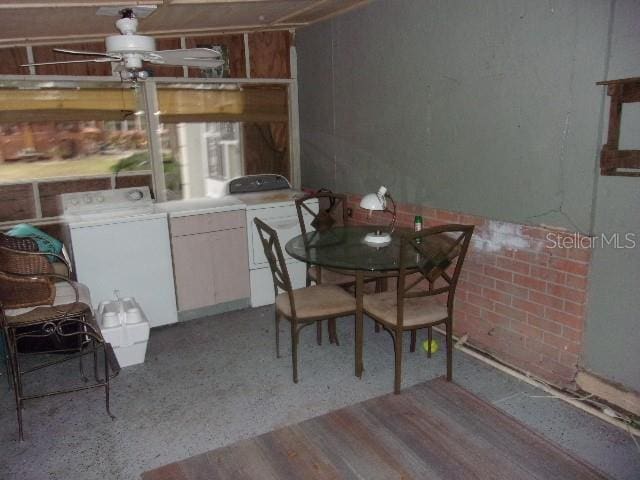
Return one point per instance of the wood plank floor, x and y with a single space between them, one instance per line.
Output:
435 430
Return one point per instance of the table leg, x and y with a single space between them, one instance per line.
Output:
359 340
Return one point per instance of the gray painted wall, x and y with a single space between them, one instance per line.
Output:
488 108
612 336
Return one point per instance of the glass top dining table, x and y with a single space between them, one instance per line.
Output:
344 248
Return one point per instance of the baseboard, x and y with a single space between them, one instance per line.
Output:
186 315
612 393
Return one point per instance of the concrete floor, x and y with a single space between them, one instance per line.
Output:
210 382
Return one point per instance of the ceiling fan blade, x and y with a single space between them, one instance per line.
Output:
200 52
187 57
81 52
88 60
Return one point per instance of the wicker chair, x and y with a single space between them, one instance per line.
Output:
36 303
302 306
24 244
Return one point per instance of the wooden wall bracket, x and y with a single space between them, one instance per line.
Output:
614 161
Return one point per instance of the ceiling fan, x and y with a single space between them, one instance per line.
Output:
131 50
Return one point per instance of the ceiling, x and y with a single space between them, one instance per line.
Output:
41 21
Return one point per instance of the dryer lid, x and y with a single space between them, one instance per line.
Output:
258 183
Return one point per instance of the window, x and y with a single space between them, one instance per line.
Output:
198 157
217 132
48 148
224 153
183 140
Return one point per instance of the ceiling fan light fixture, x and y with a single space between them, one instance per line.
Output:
131 50
130 44
132 61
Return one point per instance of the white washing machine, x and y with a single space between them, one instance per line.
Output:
271 199
119 242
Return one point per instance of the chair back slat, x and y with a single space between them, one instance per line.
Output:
440 254
277 264
331 212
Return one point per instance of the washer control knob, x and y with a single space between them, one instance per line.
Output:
135 195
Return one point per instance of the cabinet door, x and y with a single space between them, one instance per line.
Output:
210 268
193 266
231 265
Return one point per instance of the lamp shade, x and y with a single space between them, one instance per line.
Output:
374 201
377 201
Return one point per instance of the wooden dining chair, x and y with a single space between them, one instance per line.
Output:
424 296
331 212
302 306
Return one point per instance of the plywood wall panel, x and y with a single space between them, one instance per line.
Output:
269 54
235 47
45 53
259 156
11 59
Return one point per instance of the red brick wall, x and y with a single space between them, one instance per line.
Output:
522 292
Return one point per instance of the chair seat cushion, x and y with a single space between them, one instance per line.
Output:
417 310
59 268
318 301
65 295
331 277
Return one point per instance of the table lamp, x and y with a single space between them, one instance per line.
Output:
378 201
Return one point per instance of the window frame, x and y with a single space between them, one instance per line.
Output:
149 90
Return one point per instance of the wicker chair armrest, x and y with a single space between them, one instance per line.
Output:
47 255
19 262
63 315
25 290
43 279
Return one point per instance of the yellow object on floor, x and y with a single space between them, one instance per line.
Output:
434 346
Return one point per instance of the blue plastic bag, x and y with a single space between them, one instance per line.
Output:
46 243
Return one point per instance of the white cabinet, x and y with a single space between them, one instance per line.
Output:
210 259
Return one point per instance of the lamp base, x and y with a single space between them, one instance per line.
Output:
377 239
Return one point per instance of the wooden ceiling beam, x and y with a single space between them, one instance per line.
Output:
101 3
200 2
340 11
21 42
240 16
299 11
